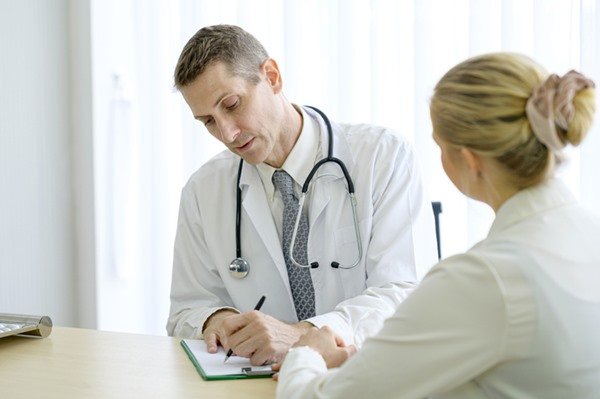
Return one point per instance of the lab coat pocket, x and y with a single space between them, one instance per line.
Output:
346 248
346 236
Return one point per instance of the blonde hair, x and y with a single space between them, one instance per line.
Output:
480 104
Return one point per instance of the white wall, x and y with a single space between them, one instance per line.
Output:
82 165
38 223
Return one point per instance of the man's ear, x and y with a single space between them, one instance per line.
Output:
271 71
473 161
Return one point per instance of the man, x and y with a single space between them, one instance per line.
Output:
234 88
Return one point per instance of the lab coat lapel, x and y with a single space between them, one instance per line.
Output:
255 207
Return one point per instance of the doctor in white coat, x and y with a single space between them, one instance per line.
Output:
235 89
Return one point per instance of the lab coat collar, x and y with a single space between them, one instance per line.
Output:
547 195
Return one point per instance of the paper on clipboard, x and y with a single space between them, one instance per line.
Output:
211 367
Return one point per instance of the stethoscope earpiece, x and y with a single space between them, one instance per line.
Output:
314 265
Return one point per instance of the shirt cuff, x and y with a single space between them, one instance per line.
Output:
302 365
304 356
304 351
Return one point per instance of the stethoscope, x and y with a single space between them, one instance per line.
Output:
239 267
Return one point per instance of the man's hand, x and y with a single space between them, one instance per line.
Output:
258 336
330 345
213 332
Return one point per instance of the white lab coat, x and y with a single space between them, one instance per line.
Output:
396 224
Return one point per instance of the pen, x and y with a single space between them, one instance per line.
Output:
257 307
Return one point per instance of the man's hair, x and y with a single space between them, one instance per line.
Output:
237 49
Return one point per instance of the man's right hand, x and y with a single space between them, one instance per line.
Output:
213 329
255 335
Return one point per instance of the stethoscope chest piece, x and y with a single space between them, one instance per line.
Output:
239 268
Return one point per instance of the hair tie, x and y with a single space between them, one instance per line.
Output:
551 104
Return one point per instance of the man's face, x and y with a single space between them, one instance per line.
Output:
242 115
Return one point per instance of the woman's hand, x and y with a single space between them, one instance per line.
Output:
329 345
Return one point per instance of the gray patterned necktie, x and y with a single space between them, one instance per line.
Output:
301 284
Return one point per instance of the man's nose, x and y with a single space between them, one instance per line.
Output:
228 130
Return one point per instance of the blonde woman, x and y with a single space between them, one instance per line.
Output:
518 315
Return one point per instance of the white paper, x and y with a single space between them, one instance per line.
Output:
212 363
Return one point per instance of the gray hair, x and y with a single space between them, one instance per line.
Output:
241 52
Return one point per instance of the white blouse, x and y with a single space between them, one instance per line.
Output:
517 316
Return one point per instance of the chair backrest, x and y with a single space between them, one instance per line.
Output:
437 209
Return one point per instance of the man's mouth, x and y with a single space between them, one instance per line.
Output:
246 146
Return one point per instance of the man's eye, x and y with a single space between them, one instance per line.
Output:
231 103
208 121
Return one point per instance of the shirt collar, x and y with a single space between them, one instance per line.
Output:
300 160
550 194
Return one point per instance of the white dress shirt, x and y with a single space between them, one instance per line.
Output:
517 316
298 165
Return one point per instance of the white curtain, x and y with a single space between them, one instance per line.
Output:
372 61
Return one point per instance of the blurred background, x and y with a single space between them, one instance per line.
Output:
95 144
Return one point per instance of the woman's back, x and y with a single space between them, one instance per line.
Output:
546 251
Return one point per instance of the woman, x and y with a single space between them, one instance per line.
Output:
518 315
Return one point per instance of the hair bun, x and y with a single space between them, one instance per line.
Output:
553 105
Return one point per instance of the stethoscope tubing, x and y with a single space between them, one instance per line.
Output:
238 214
239 267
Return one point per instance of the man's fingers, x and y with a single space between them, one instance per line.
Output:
339 341
268 353
214 332
211 342
240 339
257 336
237 322
251 327
254 346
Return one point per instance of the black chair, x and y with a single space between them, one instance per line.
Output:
437 209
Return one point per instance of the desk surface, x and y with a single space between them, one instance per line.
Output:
79 363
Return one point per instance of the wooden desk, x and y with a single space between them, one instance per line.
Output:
78 363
